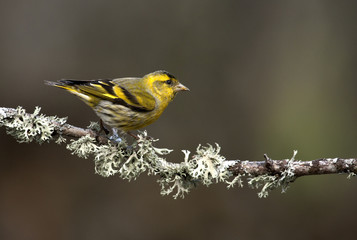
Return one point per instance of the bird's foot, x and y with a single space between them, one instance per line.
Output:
115 136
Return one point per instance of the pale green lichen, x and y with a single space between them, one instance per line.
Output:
83 147
269 182
176 177
108 158
26 128
351 174
60 139
2 116
94 126
178 183
206 165
237 180
130 162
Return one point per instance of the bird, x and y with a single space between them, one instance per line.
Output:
128 103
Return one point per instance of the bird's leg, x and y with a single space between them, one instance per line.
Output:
137 138
133 135
103 128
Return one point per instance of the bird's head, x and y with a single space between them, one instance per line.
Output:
164 85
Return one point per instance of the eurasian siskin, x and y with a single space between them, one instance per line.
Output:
126 103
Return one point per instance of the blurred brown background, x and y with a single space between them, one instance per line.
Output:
265 77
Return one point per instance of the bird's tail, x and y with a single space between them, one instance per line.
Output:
72 86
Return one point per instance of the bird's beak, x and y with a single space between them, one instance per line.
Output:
181 87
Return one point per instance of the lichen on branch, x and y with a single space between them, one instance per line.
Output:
114 156
26 127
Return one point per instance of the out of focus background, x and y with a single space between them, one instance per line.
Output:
265 77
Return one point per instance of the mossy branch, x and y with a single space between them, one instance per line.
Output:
112 155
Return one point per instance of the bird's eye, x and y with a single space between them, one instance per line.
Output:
168 81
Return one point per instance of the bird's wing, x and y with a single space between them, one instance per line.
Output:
128 92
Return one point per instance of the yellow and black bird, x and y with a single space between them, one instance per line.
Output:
126 103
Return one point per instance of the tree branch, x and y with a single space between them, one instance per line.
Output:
112 155
314 167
